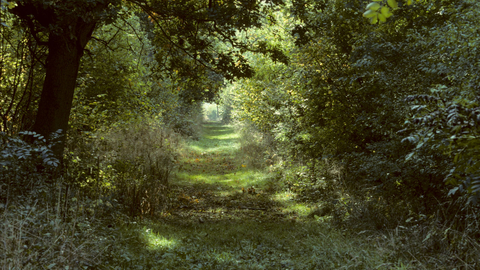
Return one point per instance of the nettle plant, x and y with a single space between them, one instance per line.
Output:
22 163
449 122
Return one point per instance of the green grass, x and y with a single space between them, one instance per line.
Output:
216 138
213 224
248 244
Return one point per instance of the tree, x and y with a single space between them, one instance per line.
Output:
191 27
64 28
21 65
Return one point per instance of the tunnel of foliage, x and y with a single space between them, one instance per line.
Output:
377 124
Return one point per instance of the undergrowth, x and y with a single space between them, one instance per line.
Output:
39 235
116 207
443 235
381 198
62 217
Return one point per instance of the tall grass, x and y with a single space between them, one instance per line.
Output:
129 164
39 235
64 219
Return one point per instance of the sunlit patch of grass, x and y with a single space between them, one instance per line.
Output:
248 178
230 136
287 199
284 197
229 147
216 139
158 241
247 244
300 208
239 179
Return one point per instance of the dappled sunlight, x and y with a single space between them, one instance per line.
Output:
299 208
221 242
290 205
156 241
246 178
225 147
224 216
223 137
284 196
187 178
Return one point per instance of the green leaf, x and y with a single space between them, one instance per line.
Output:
382 18
370 13
392 3
386 12
452 191
373 6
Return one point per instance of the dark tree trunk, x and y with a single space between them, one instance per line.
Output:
63 61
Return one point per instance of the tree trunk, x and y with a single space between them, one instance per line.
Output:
63 61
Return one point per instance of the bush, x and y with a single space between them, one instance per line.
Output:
24 166
130 164
448 122
44 223
257 149
185 119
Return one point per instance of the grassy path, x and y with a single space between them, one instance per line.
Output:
214 224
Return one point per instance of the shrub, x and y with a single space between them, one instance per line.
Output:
24 166
448 122
257 149
130 164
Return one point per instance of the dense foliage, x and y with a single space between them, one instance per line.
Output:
382 118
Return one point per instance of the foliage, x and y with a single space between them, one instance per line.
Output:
445 119
380 12
20 79
130 164
342 100
185 119
449 124
144 158
257 149
114 81
44 224
24 166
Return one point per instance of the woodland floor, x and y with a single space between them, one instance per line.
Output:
213 224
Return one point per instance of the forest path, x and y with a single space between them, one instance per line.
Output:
212 224
213 184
